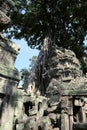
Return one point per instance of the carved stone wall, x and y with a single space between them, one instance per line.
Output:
9 75
8 51
55 67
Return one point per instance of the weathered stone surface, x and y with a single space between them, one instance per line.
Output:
8 86
58 72
4 19
12 73
8 51
5 7
9 75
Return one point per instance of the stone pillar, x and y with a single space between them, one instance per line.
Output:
64 114
70 112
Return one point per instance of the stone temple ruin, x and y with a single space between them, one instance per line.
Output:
56 94
55 97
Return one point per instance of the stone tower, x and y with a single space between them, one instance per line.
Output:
55 66
9 75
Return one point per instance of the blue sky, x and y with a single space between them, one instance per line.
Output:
25 54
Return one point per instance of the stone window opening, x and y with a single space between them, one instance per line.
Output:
28 106
77 114
39 128
66 74
1 104
39 106
77 110
86 115
31 87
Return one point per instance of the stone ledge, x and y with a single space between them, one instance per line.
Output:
5 71
8 48
81 92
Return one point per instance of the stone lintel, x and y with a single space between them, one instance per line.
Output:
7 86
80 126
81 92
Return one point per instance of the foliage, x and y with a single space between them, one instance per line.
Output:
84 66
25 75
27 72
65 21
32 63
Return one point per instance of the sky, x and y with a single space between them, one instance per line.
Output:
25 54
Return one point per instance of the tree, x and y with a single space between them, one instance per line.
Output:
63 21
32 63
25 76
84 66
27 72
